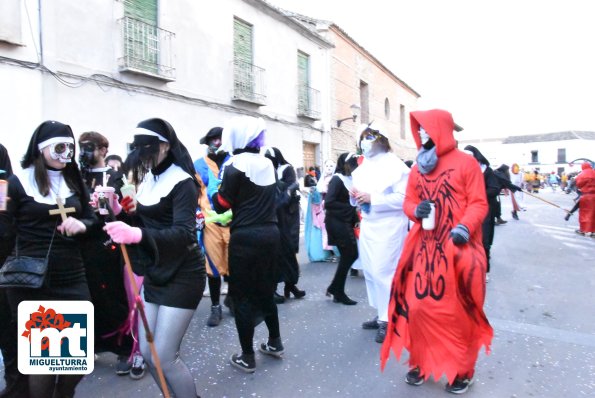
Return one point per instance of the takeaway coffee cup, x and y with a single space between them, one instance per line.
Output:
107 193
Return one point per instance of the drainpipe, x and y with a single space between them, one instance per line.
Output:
40 32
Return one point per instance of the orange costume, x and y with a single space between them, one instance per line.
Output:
436 308
585 182
215 237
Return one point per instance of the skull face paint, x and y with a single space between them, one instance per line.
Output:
62 151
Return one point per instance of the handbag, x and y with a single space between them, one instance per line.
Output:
24 272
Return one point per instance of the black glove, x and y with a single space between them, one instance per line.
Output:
515 188
460 234
423 209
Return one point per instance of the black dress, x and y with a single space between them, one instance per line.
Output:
288 216
34 228
168 255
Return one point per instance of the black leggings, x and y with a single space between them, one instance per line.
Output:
348 254
214 289
252 260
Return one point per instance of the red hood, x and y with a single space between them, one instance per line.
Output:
586 165
438 124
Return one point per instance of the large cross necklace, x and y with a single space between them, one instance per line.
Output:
63 211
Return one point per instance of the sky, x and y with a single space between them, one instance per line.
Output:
506 67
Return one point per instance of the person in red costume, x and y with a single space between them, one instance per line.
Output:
436 308
585 182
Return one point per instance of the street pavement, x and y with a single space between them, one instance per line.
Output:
539 301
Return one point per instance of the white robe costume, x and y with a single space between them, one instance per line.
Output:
384 227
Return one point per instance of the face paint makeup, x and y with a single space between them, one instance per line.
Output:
87 155
62 151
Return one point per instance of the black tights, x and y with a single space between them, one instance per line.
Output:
215 289
43 386
245 314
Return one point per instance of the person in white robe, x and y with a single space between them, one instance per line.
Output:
379 186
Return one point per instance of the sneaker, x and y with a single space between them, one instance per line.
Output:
414 377
381 333
373 324
459 386
138 367
123 366
244 362
500 221
578 231
515 215
275 349
216 316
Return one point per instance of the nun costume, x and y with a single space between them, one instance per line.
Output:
50 176
164 247
249 188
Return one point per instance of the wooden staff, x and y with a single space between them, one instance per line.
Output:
547 201
141 309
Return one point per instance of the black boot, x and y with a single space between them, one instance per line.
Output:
279 299
297 293
339 297
515 215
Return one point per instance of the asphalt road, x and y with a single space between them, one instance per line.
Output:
539 301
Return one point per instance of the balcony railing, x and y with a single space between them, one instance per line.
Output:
248 83
147 49
308 102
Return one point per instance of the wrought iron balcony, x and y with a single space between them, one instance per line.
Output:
147 49
308 102
248 83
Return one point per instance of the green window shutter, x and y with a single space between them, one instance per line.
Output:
242 41
145 10
142 38
303 66
243 60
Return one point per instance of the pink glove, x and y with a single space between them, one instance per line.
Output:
123 233
115 205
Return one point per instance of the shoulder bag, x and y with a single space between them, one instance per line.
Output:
25 272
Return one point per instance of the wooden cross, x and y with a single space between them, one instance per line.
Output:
61 209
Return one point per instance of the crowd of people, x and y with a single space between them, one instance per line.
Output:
421 233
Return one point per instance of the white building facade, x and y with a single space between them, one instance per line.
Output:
543 152
105 65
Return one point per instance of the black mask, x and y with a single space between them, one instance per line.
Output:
87 155
148 150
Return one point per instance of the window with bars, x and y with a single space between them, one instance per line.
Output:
248 79
147 49
308 97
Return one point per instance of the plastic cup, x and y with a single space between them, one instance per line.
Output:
108 193
3 194
129 190
429 222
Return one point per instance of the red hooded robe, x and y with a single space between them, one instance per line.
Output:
585 182
438 291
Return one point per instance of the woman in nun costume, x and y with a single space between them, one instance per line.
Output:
49 175
164 248
249 188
